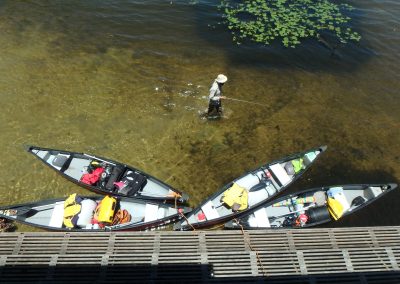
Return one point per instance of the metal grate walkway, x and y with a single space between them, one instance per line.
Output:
342 255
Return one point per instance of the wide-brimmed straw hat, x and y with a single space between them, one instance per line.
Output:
221 78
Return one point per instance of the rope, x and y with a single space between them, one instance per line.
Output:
175 195
187 221
251 248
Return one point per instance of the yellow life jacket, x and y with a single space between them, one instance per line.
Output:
297 165
335 208
106 209
236 194
71 210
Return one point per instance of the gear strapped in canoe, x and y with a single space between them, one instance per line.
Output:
236 197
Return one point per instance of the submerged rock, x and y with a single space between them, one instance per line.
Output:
6 225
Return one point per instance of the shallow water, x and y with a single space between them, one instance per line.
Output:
127 80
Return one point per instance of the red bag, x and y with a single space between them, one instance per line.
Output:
93 177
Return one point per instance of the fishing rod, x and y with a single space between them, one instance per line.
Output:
244 101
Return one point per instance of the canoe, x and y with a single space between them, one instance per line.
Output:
49 214
312 207
105 176
250 190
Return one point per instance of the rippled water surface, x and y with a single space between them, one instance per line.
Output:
127 80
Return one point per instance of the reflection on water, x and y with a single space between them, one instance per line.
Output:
127 80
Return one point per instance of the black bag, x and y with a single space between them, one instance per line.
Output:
359 200
115 174
318 214
134 182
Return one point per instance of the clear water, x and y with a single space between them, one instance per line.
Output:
127 80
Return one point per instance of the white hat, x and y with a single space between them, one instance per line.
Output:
221 78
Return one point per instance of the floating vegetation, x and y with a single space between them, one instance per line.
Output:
263 21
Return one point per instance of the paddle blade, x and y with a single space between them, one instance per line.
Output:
19 211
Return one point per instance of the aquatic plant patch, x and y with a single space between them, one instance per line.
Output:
290 21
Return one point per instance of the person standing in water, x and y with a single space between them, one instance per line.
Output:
216 95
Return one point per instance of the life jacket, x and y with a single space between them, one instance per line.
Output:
236 195
297 165
93 177
72 208
105 211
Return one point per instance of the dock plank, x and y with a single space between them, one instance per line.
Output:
285 256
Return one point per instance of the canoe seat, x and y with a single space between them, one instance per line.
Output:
150 212
59 161
280 174
372 192
56 220
209 211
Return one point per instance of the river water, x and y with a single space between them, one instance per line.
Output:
127 80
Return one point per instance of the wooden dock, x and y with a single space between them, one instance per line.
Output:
342 255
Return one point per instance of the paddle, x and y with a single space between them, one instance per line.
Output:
19 211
